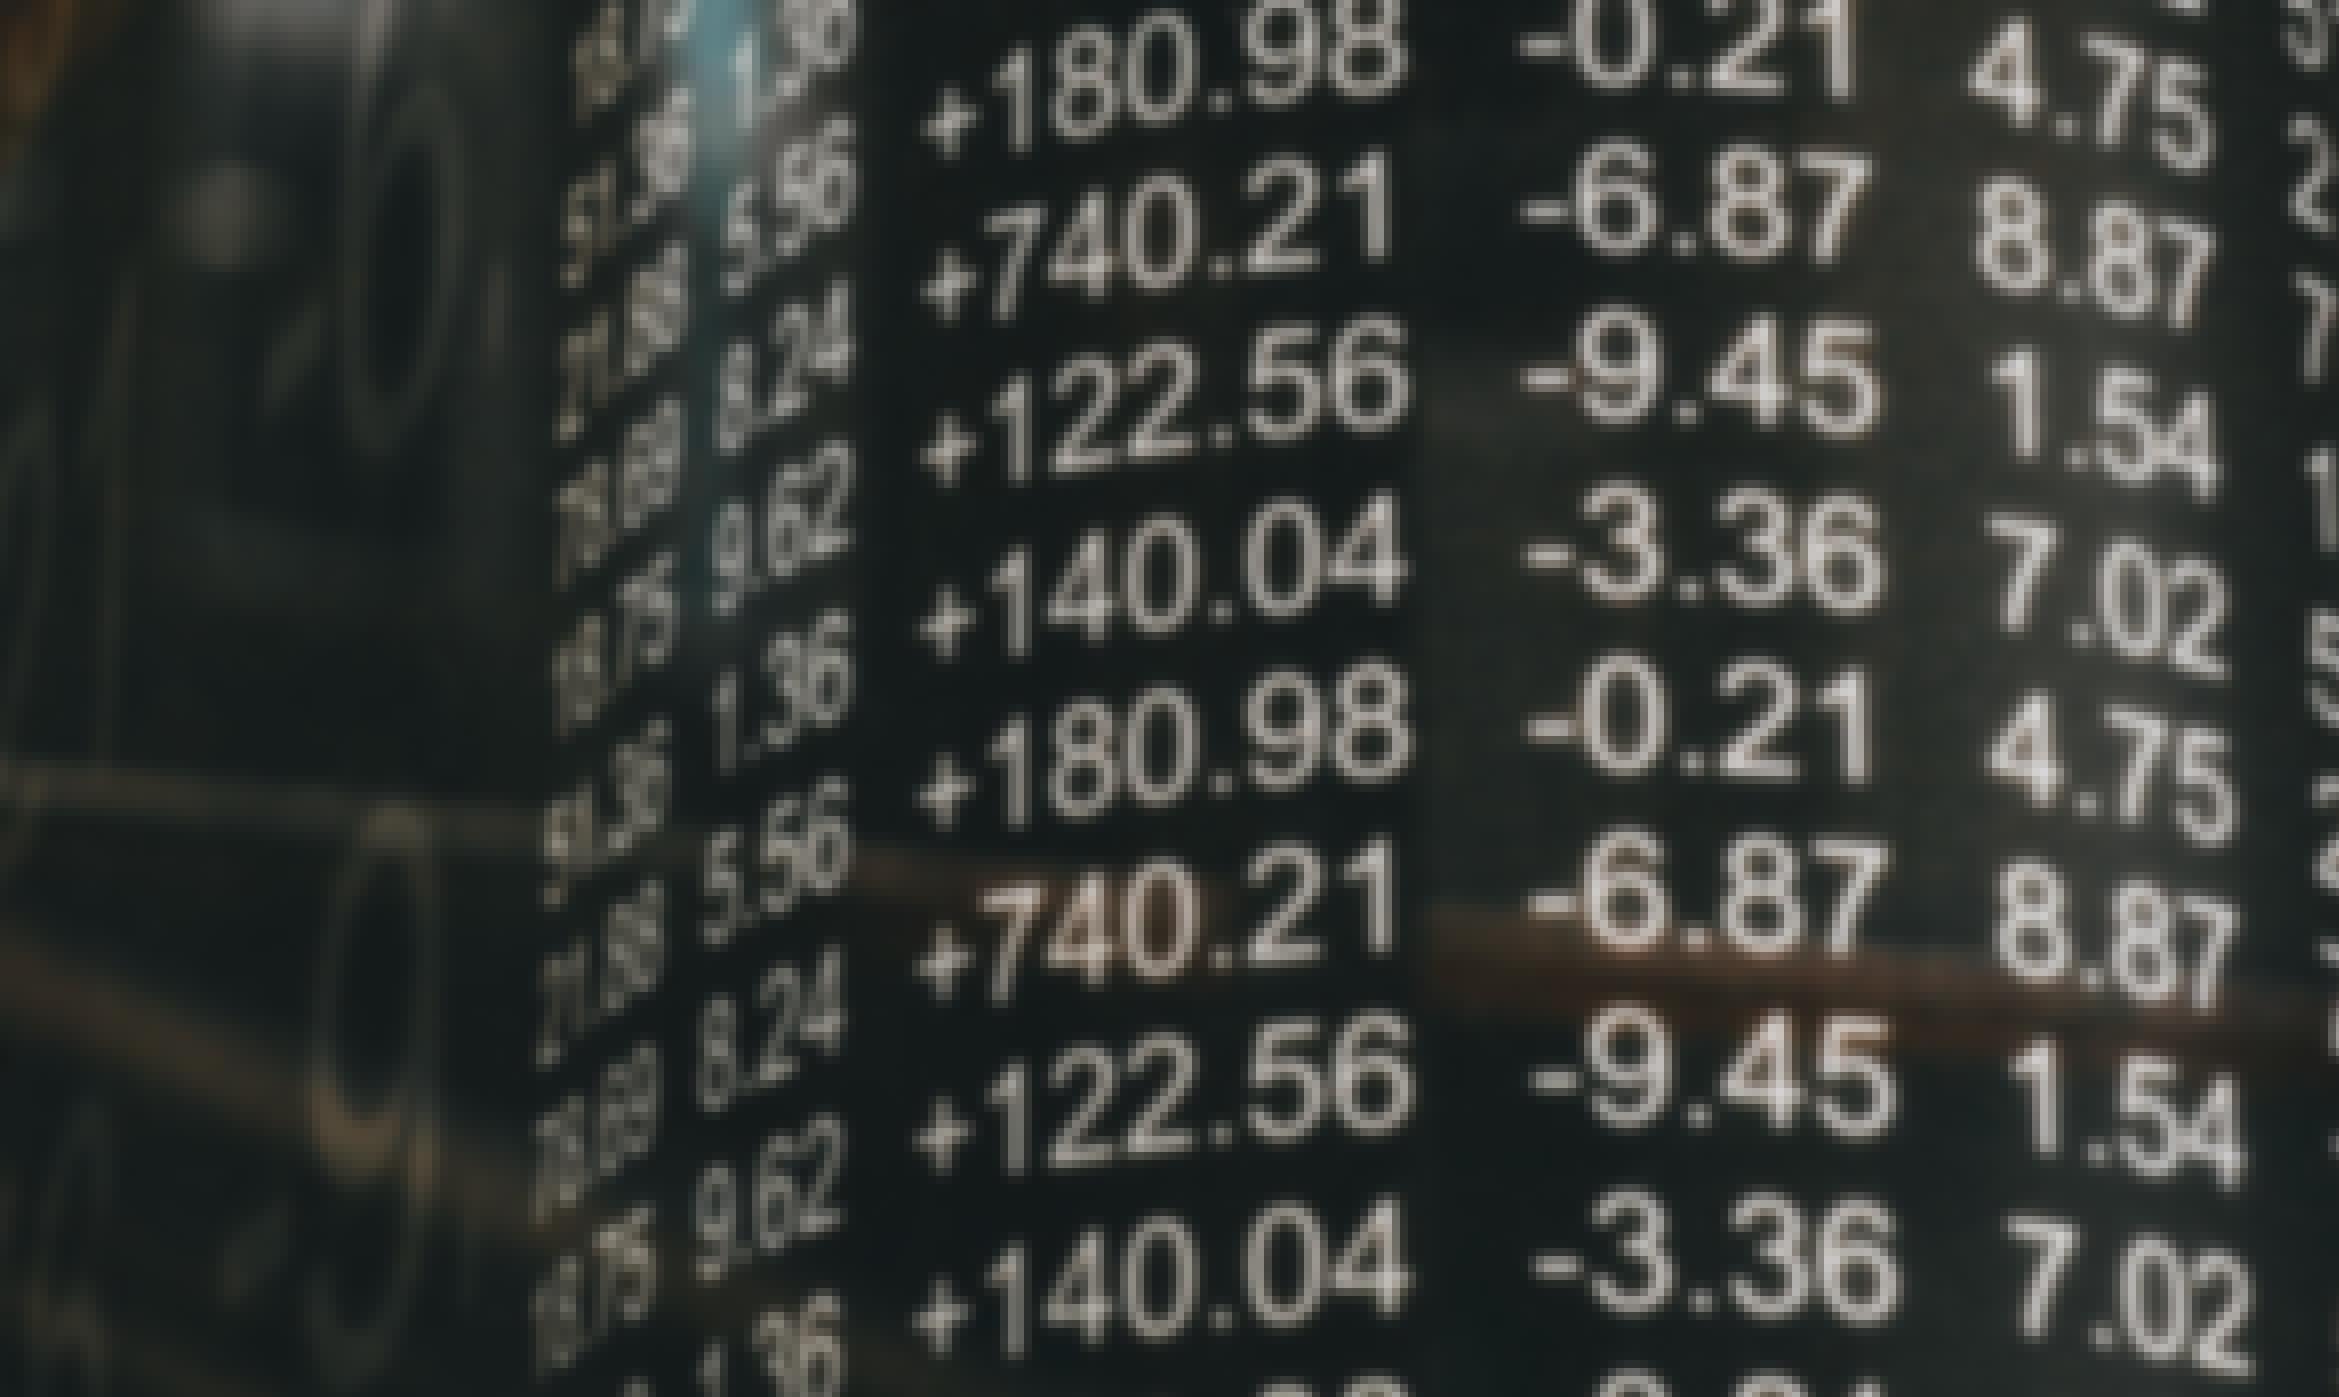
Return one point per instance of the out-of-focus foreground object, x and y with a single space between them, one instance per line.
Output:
37 39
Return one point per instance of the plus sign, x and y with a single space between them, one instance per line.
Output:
947 624
948 789
949 450
946 960
942 1135
947 290
951 121
939 1321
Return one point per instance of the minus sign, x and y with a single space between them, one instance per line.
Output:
1543 48
1558 1267
1549 730
1555 1081
1550 557
1545 211
1551 907
1547 378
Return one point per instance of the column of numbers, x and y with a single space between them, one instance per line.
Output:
1773 368
2116 894
1163 696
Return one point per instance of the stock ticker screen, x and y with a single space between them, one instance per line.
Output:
1219 698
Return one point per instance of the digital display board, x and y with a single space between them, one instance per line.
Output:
1270 698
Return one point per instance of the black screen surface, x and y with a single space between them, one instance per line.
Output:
1268 698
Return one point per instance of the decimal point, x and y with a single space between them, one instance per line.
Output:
2087 805
1222 958
2104 1336
1223 784
2099 1154
2072 292
1690 591
1688 412
1222 1319
1682 76
2066 127
1223 436
1697 1115
1222 612
1701 1301
2082 635
1693 763
1685 245
1696 938
1221 102
2080 457
1222 1135
1222 268
2091 978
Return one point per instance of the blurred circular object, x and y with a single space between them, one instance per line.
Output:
229 216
